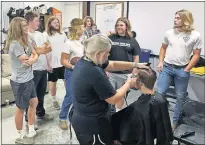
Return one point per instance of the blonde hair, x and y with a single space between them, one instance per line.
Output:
96 43
76 22
85 21
16 32
74 32
187 20
128 32
49 29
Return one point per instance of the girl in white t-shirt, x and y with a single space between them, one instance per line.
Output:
69 57
57 39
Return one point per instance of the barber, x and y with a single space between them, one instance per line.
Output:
92 91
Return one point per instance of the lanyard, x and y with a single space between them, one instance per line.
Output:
87 34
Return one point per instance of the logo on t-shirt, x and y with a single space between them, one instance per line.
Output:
186 39
121 44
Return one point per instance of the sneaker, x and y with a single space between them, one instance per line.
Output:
63 124
24 140
35 126
56 105
31 135
46 117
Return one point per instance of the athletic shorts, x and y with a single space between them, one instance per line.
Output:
58 73
23 93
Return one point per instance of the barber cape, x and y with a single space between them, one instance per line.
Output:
143 121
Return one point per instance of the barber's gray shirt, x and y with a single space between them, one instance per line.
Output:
20 73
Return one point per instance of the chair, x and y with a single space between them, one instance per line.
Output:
192 118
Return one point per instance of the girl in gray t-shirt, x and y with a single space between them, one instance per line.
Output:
22 57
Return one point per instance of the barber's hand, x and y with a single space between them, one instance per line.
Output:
160 66
134 71
131 82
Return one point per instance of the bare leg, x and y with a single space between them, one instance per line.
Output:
19 118
31 116
32 111
52 87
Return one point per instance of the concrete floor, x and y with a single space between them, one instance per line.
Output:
49 132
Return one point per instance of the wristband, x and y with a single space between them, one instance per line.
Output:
135 64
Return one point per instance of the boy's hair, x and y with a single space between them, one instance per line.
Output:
76 22
49 27
74 32
187 20
147 77
30 15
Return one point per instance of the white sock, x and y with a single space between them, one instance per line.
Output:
20 133
31 130
54 98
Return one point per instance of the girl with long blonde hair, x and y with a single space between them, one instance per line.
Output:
22 57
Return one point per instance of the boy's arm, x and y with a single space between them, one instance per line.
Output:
44 49
31 59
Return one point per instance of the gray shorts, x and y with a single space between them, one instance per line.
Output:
117 80
23 92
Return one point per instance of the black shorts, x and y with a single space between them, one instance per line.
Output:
91 130
58 73
23 93
97 139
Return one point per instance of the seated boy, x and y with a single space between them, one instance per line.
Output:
145 119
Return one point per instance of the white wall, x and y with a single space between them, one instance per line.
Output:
92 9
150 20
72 10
